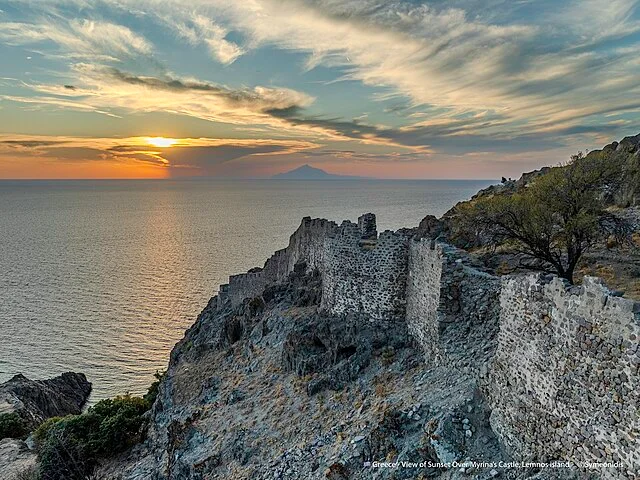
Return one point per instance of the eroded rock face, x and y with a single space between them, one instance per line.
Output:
15 458
37 400
277 388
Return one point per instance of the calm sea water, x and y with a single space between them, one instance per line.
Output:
103 277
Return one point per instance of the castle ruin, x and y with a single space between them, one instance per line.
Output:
558 364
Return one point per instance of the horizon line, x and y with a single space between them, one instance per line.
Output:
346 179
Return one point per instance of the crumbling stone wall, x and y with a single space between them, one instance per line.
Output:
306 245
367 226
564 381
423 295
558 364
365 274
452 306
243 285
361 272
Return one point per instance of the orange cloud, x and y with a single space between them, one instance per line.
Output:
23 156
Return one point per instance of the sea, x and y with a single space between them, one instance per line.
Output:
103 277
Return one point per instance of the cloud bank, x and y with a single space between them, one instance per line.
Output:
188 157
441 79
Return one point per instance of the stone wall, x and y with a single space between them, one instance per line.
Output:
361 271
243 285
558 364
423 295
306 245
564 381
452 306
365 274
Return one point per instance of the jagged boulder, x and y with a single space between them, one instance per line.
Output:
34 401
37 400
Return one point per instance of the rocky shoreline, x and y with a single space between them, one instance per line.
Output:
33 402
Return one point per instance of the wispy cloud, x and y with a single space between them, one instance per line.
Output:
107 88
198 29
454 77
97 40
528 70
525 71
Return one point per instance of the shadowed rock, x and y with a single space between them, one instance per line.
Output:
37 400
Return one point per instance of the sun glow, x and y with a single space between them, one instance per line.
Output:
161 142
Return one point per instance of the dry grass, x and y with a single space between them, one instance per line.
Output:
381 390
614 278
29 473
633 290
504 268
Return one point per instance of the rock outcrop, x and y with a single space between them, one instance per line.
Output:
36 400
277 388
282 384
353 355
622 157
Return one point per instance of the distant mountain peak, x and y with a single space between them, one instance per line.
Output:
307 172
308 168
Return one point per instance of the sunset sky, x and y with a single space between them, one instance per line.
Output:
249 88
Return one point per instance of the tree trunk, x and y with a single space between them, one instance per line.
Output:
568 274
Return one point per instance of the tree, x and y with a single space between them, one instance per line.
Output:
555 219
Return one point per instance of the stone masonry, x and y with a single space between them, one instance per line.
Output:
452 306
306 245
361 271
564 381
423 296
364 274
558 364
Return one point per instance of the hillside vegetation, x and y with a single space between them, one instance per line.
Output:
572 219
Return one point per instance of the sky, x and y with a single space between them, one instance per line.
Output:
389 89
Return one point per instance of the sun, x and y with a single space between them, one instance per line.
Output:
161 142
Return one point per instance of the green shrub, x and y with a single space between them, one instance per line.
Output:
70 447
120 422
12 426
65 452
40 433
556 219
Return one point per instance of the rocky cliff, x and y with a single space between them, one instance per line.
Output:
277 388
414 361
357 355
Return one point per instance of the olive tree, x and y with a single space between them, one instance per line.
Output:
555 219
